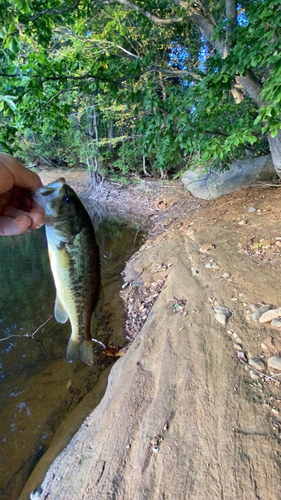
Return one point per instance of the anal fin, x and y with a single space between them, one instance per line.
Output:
60 313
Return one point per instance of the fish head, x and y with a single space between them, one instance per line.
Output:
63 208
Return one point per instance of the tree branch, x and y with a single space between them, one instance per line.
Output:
146 13
176 72
231 15
251 86
53 12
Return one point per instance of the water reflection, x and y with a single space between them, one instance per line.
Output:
37 387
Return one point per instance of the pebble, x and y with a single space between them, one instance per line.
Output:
254 307
243 222
264 346
238 347
270 315
221 318
275 362
252 209
238 340
194 272
276 322
226 275
257 314
190 231
222 310
254 375
212 265
258 363
275 412
207 247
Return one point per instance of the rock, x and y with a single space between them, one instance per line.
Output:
226 275
194 271
276 322
212 184
270 315
243 222
238 347
221 318
254 375
207 248
254 307
252 209
268 343
222 310
274 362
212 265
261 310
258 363
275 412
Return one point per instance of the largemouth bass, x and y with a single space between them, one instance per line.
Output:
74 259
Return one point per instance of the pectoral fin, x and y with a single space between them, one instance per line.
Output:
60 313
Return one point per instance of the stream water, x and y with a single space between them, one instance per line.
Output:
37 386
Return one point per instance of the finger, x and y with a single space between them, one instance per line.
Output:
10 226
14 173
36 215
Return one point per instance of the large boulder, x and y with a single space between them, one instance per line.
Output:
213 183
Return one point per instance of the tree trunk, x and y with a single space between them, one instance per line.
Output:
143 167
111 135
275 149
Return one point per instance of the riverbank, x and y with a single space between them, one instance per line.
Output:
184 414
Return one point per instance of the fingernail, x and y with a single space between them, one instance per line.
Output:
40 225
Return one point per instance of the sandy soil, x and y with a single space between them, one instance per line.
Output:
184 415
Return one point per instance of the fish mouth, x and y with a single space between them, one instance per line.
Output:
52 188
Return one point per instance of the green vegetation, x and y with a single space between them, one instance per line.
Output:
120 87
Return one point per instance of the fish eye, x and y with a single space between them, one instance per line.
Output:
66 198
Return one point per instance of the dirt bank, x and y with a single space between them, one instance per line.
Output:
183 416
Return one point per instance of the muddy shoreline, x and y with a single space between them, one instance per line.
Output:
191 421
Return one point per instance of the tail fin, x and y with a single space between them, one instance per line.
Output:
82 350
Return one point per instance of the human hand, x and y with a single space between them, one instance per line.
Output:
18 212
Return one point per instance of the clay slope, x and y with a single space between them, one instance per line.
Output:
181 418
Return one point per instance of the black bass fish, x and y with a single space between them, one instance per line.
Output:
75 264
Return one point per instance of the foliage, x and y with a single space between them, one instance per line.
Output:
158 75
